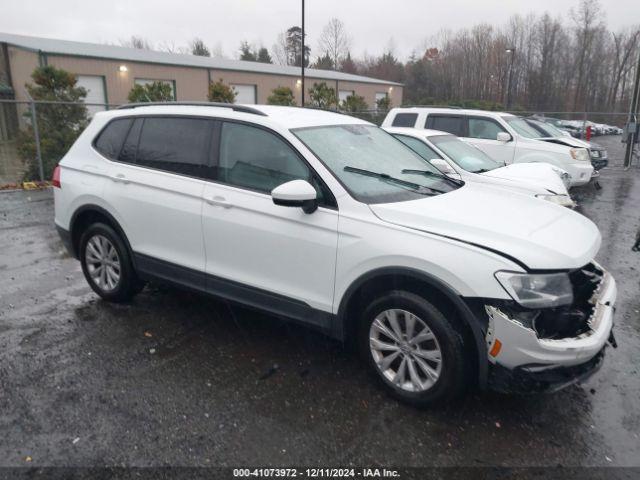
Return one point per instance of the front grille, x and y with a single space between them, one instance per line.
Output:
572 320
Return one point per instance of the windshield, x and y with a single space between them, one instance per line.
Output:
466 156
521 126
545 129
351 150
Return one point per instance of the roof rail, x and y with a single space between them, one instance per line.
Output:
235 108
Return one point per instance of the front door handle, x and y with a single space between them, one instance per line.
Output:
120 178
217 201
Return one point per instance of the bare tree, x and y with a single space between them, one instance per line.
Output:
334 42
135 41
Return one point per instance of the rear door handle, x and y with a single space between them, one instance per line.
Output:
218 201
120 178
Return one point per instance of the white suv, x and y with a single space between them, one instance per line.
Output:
504 137
300 213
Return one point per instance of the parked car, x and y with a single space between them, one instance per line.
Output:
454 157
504 137
549 133
330 221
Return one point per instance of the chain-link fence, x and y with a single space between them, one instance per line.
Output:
30 149
34 135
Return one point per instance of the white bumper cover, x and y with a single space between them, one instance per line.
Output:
521 346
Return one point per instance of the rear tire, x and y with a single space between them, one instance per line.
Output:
412 349
106 264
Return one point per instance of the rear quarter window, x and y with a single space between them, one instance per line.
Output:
110 140
405 120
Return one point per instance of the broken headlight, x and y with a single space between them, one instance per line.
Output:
537 290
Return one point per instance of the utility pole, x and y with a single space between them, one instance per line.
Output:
302 56
632 137
512 51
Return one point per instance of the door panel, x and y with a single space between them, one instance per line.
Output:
149 187
249 239
161 213
283 250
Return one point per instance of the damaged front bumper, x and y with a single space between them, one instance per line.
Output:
523 358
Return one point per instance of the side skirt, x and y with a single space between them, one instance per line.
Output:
150 268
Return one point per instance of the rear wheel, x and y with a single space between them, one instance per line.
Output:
107 265
411 347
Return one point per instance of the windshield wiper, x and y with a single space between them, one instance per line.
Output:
434 175
482 170
389 178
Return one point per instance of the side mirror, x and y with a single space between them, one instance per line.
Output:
296 193
503 137
442 165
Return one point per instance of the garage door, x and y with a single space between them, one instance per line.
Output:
245 94
95 92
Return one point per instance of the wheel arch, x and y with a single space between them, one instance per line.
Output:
87 215
430 287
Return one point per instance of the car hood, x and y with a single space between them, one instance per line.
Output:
537 233
535 175
568 141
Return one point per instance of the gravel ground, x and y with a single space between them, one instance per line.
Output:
180 379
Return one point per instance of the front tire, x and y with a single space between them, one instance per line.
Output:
106 264
413 350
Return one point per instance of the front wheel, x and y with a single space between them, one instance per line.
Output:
107 265
412 349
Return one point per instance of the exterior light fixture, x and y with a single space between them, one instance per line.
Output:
391 89
123 68
298 83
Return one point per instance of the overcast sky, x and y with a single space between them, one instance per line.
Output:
371 23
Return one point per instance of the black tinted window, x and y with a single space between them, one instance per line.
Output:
128 152
109 143
253 158
179 145
405 120
445 123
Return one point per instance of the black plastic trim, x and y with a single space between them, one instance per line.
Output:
65 236
150 268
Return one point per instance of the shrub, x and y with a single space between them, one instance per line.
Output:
322 96
354 103
58 125
151 92
383 104
281 96
219 92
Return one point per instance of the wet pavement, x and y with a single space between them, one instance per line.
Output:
180 379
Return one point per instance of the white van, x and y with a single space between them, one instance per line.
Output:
504 137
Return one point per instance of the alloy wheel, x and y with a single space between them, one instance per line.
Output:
103 263
405 350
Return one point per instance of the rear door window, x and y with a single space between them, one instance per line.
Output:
109 142
405 120
445 123
175 144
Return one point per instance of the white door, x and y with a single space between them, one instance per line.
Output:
483 132
155 189
94 85
253 242
245 94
